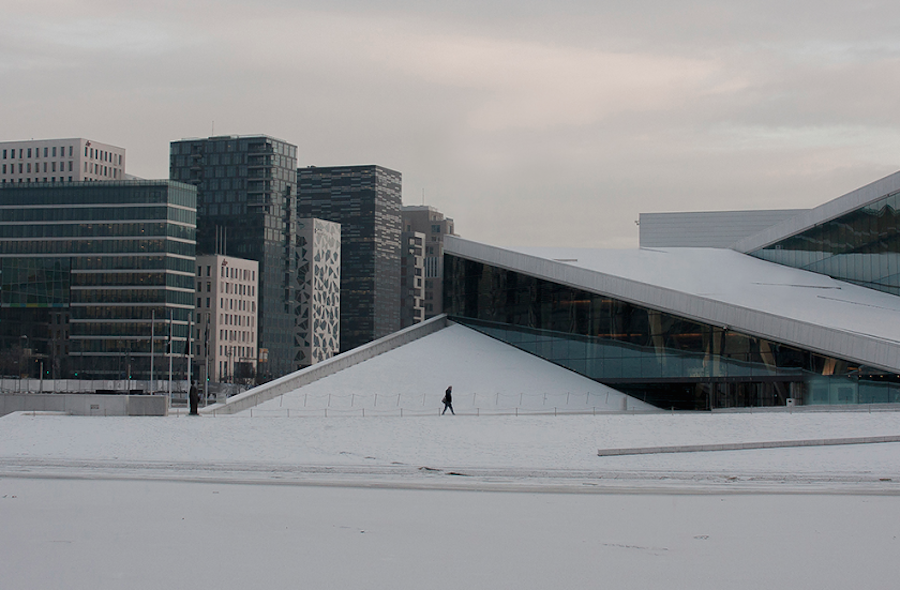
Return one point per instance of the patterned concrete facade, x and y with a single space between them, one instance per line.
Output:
319 275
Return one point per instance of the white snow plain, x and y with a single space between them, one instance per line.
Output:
447 502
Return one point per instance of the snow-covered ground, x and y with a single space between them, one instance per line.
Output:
487 376
446 502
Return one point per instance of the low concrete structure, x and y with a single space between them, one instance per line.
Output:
78 404
778 444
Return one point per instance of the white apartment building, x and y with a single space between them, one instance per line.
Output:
60 160
225 337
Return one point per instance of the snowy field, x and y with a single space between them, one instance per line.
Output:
446 502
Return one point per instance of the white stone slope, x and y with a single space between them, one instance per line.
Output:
487 376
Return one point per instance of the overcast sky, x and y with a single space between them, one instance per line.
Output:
530 123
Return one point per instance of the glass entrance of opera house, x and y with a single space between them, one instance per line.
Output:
665 360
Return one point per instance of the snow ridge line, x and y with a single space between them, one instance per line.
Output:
817 442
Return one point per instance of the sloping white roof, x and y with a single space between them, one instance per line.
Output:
724 288
484 372
823 213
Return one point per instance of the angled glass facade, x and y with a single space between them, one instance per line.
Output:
665 360
861 247
84 267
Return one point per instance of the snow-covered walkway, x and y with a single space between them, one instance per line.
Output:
400 503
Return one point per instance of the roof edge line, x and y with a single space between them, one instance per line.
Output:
843 349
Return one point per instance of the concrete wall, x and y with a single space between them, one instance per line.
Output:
8 385
296 380
86 404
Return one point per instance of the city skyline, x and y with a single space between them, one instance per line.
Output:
526 123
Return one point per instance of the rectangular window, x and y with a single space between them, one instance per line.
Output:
45 166
52 166
29 152
70 153
45 152
54 152
4 154
70 166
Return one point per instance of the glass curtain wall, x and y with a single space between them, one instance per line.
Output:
87 266
861 247
660 358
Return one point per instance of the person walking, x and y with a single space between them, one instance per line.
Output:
448 401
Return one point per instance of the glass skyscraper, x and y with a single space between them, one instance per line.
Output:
366 201
246 207
85 268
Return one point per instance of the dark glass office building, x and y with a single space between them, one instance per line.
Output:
246 207
366 201
89 271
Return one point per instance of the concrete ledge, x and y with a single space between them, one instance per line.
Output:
748 446
85 404
288 383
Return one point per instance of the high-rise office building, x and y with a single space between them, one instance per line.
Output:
366 201
89 271
432 223
60 160
246 207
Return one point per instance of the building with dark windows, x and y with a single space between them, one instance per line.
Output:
89 271
434 226
60 160
366 201
803 312
246 207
